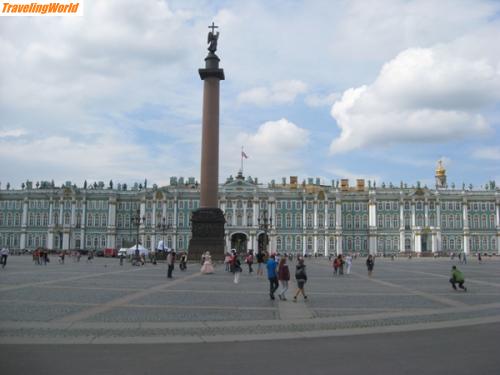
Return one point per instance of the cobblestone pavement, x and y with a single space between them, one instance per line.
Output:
103 302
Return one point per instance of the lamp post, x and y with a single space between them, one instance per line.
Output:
137 220
265 223
163 226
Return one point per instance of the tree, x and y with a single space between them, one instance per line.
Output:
111 184
85 184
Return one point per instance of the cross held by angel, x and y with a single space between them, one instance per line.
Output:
212 38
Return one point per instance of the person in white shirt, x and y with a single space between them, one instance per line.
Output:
4 253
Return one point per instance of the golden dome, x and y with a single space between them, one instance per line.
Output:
440 171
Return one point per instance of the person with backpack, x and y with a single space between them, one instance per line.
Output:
457 277
272 276
283 277
301 278
235 267
336 266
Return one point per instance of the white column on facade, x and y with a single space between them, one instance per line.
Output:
315 217
466 243
401 226
438 214
497 215
164 211
434 242
176 202
304 245
418 242
153 219
338 214
465 213
51 209
372 214
61 207
426 213
413 216
73 213
304 214
315 242
339 244
244 221
327 244
325 217
255 212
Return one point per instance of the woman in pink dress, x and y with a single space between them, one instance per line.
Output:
207 267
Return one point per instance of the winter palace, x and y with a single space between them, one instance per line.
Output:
302 217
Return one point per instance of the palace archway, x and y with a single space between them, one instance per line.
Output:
239 241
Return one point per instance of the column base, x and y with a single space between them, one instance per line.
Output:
208 233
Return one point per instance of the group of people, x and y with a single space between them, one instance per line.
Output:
278 274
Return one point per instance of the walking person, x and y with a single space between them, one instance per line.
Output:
227 262
479 259
170 263
370 263
122 256
183 262
464 258
341 264
457 277
272 276
283 278
348 261
4 253
236 267
301 278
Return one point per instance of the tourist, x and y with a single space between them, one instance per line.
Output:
235 267
464 258
4 253
348 261
260 262
272 276
78 256
301 278
479 259
122 256
283 278
457 278
249 261
370 263
341 264
207 267
335 266
90 256
183 261
170 263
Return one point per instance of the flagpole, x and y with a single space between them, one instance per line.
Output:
241 160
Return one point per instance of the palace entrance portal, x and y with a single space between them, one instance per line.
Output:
239 242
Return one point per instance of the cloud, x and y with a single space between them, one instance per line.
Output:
422 95
282 92
274 150
315 100
488 153
15 133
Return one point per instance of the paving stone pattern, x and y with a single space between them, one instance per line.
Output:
105 300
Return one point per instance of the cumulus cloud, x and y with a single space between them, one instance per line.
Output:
487 153
282 92
422 95
273 150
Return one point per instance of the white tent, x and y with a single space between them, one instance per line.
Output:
142 250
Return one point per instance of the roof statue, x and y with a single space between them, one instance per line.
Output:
212 38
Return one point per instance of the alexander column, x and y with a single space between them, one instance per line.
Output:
208 221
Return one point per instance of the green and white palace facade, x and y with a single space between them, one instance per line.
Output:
307 217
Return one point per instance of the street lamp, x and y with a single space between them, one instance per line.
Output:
163 227
265 223
137 220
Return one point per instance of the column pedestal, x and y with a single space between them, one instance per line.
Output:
208 233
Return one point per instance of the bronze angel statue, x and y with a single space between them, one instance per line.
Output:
212 41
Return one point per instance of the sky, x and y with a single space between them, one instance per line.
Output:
379 90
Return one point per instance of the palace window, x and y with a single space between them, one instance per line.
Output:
278 243
309 220
331 221
181 220
298 220
321 221
298 243
309 244
278 221
288 219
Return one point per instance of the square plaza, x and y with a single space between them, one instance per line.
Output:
80 302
